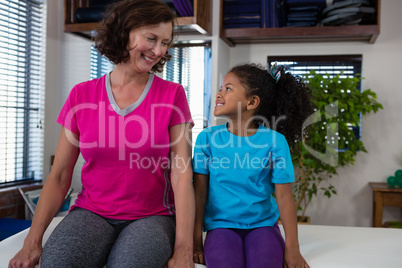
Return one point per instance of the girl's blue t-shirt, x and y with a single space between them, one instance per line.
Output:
242 173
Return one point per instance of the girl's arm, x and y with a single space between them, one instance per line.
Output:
181 179
201 194
50 200
287 211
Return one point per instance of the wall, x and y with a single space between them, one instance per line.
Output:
68 63
68 59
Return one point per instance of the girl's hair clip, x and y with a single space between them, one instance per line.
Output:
275 72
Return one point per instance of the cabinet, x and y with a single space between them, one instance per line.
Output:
383 196
200 23
365 33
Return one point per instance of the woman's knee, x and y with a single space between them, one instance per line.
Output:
82 239
146 242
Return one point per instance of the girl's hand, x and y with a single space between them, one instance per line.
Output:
181 259
198 255
294 259
27 257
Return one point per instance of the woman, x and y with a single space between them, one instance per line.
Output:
132 129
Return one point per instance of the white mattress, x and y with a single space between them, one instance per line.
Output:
322 246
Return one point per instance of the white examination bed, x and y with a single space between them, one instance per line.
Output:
322 246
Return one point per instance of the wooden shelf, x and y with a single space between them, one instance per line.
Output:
365 33
200 23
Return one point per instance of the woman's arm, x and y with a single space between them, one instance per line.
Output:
50 200
181 179
201 194
287 211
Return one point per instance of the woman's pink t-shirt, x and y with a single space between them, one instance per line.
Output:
127 152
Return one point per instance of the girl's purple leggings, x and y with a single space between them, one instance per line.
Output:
234 248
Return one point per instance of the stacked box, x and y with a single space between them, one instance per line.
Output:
243 14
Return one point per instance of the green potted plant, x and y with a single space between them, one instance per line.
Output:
328 141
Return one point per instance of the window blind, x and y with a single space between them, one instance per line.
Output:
21 89
190 66
348 65
100 65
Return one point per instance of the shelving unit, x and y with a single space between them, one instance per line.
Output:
200 23
365 33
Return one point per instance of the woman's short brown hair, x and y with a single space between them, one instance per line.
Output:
124 16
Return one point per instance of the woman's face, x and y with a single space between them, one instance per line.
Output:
147 45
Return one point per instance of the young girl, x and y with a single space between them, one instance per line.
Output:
238 166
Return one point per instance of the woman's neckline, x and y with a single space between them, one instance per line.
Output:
131 107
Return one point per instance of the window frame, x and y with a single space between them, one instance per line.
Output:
355 60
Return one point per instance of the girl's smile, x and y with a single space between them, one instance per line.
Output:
230 97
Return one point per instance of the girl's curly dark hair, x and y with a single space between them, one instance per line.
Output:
121 18
284 105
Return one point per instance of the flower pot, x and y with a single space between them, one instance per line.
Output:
303 220
300 220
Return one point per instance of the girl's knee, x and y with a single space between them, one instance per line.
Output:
264 247
224 248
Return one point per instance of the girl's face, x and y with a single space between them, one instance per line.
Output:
231 99
147 45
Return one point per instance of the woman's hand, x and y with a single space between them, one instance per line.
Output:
294 259
181 179
27 257
181 259
51 197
